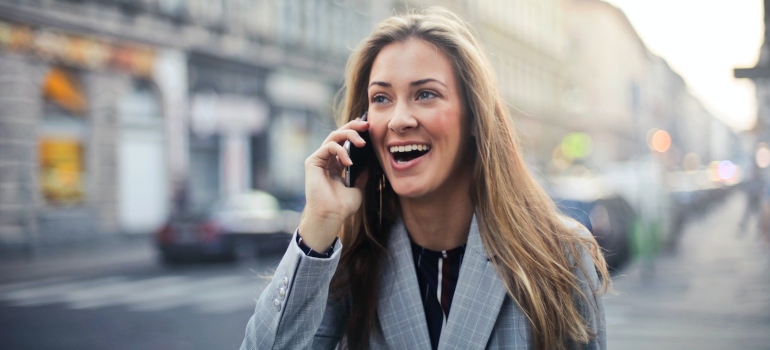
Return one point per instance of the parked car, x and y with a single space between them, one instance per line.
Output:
235 228
610 219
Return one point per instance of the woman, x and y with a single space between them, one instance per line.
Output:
448 241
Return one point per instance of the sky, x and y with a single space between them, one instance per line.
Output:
703 40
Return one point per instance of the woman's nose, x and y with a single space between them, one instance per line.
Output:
402 120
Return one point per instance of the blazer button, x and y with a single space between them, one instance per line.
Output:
277 304
285 281
282 293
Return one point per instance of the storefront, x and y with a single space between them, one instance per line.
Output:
252 128
82 123
302 119
228 115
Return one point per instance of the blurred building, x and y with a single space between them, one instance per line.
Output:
115 113
609 64
620 91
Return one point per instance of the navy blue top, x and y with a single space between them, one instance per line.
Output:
437 274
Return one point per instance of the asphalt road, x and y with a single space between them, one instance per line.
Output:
116 295
712 293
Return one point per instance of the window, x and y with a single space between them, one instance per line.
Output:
62 138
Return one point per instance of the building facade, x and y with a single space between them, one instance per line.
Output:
114 114
619 92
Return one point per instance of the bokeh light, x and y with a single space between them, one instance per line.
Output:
726 170
762 156
661 141
576 145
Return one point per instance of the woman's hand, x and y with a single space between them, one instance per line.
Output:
328 201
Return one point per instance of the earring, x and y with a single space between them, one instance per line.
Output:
381 187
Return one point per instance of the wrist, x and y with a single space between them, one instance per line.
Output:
319 233
312 253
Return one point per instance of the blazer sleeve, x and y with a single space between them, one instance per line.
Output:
292 312
593 308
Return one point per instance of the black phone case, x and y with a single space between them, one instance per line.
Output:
359 156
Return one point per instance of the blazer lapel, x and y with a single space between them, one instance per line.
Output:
400 308
477 300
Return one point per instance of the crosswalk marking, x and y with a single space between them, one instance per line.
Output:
194 290
52 293
226 301
208 295
125 292
4 288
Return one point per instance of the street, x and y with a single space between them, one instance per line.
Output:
113 298
712 293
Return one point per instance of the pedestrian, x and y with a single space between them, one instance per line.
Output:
755 189
446 241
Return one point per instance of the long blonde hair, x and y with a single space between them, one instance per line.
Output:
535 254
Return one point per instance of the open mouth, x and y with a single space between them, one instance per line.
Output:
403 154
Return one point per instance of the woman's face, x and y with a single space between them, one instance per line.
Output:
417 125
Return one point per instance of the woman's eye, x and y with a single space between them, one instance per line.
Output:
379 99
423 95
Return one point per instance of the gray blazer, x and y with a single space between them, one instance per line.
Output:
292 312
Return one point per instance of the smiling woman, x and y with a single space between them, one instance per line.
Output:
416 102
446 218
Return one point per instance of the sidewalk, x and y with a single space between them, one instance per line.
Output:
712 293
104 253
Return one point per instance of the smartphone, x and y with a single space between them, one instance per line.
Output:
359 156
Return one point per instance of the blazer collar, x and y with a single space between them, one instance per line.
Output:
400 309
475 305
477 301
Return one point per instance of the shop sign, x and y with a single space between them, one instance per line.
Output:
61 170
78 51
60 88
214 113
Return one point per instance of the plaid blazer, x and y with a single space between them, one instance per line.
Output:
293 313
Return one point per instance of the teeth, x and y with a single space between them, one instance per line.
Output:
409 148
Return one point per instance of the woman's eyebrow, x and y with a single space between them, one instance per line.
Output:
425 81
414 83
